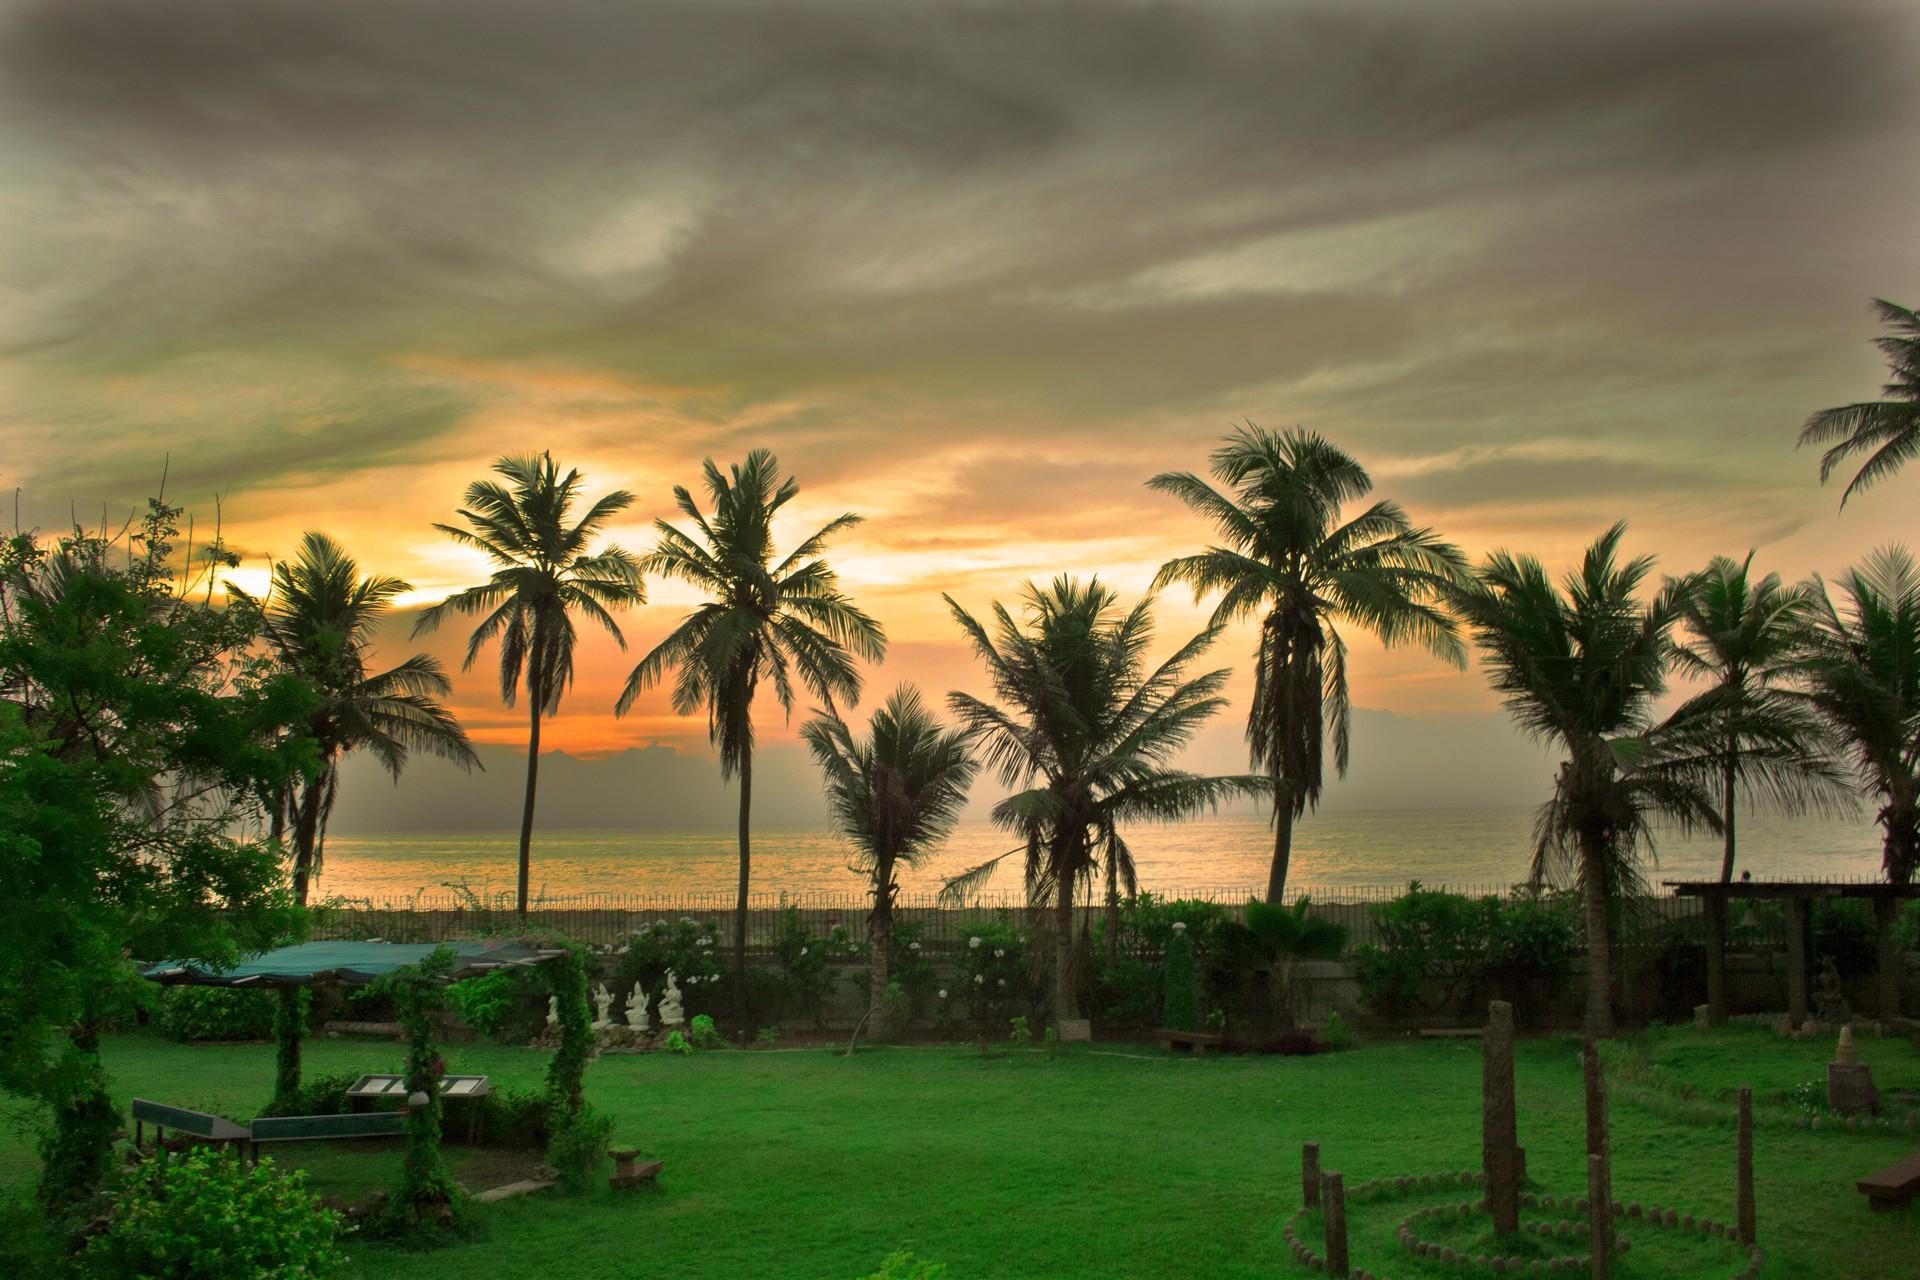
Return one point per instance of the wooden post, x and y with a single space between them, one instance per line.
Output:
1796 961
1599 1215
1310 1174
1498 1125
1334 1197
1885 910
1744 1185
1716 917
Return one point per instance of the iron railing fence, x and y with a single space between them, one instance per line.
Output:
608 919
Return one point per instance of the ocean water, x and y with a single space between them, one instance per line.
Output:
1222 855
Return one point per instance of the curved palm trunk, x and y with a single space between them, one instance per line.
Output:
1066 999
742 1002
533 780
1728 781
306 836
1593 895
1282 844
879 948
1113 910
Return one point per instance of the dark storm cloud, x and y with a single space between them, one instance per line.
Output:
997 213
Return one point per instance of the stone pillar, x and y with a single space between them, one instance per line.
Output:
1309 1174
1334 1199
1716 916
1885 910
1796 961
1743 1212
1498 1124
1599 1216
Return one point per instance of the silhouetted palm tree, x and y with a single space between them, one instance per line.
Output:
319 620
895 796
762 621
1287 558
1864 678
1089 732
1746 638
1885 432
1581 668
543 575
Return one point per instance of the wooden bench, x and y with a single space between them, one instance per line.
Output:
1893 1186
1195 1042
196 1124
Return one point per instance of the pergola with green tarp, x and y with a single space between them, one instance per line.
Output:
310 964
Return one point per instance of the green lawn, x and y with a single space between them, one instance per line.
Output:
1097 1164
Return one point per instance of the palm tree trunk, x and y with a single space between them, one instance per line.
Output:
741 1002
533 779
306 829
1282 844
879 945
1113 909
1066 1003
1726 861
1593 894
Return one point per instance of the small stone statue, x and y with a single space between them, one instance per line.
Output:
602 1001
1829 1000
671 1014
637 1009
553 1011
1847 1052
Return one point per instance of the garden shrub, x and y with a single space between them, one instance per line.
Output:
901 1265
205 1213
516 1118
994 977
806 964
1180 1014
1131 991
577 1146
76 1149
686 946
909 967
704 1033
189 1013
317 1096
507 1006
1446 952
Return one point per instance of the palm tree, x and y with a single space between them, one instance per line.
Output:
1581 668
1088 732
1886 432
543 574
1746 637
1863 677
762 621
895 796
1287 557
319 621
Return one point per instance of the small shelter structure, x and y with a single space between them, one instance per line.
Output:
1798 896
309 964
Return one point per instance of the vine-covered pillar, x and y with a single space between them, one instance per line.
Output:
426 1187
566 976
289 1025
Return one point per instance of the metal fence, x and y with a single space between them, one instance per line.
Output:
607 919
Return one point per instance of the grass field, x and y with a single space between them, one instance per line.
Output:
1100 1163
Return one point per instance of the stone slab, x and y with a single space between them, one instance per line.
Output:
512 1189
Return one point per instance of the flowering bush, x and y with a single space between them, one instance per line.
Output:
1131 990
206 1213
689 947
808 965
993 970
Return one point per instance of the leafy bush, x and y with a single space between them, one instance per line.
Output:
1445 951
317 1096
677 1043
189 1013
1180 1013
704 1033
508 1006
911 968
993 970
515 1118
577 1146
1131 991
901 1265
806 964
207 1214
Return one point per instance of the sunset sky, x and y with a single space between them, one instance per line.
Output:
974 270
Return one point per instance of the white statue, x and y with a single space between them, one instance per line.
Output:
670 1011
637 1009
602 1001
553 1011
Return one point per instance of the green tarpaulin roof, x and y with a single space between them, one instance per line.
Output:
312 963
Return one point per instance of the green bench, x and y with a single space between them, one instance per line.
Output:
197 1124
354 1124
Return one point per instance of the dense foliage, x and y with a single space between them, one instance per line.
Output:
1446 952
206 1214
188 1013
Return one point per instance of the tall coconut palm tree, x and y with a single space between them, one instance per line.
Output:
544 573
1886 433
319 619
1863 675
1582 667
1288 558
1745 637
895 796
1088 732
775 620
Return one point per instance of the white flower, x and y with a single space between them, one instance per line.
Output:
974 943
1003 982
704 941
1179 926
999 953
913 946
979 978
803 951
943 993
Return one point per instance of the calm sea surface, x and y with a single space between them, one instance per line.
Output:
1219 854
